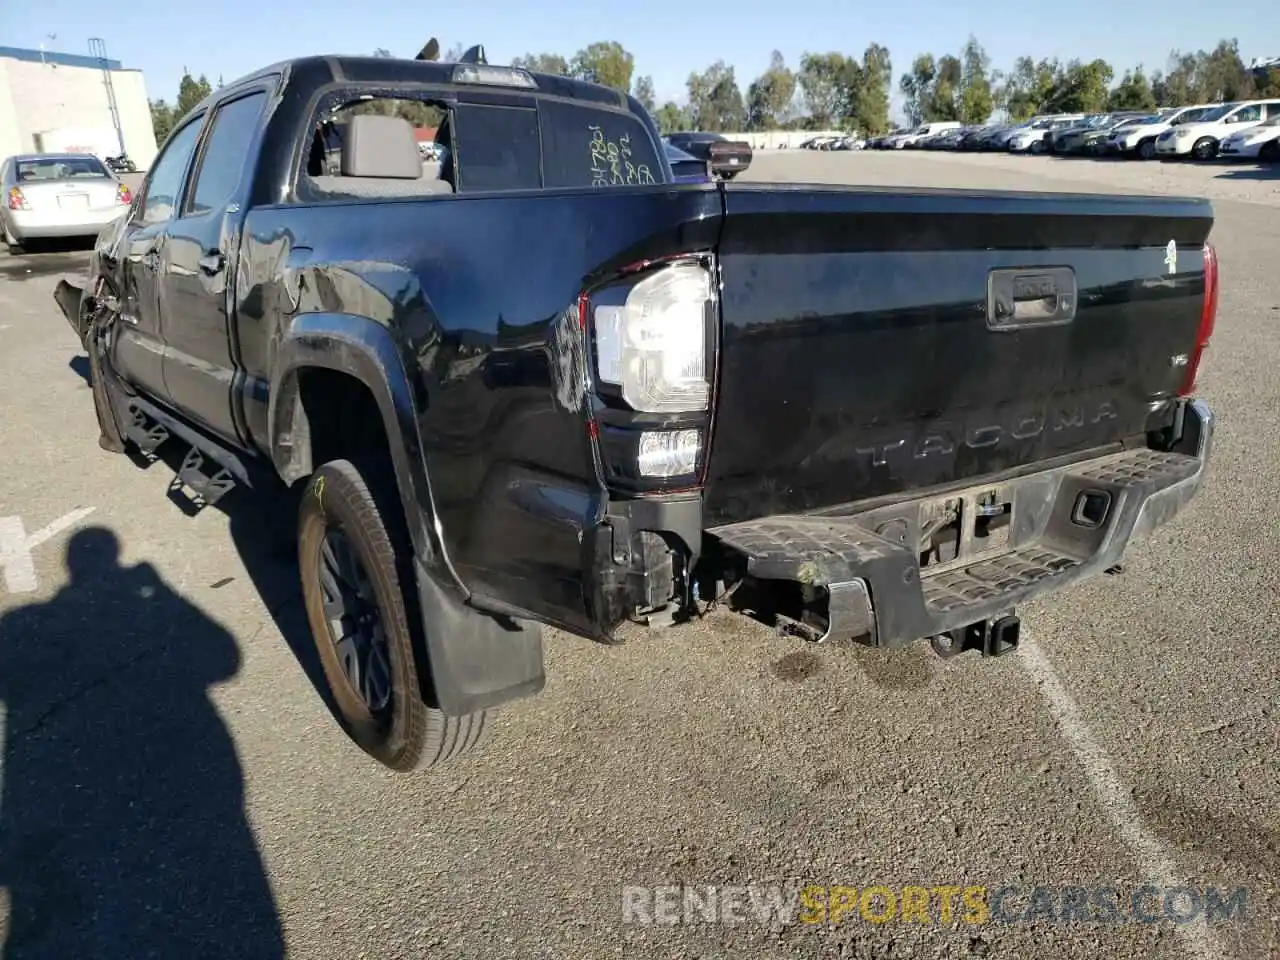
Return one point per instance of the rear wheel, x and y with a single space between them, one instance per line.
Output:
1147 149
1270 152
354 559
1204 148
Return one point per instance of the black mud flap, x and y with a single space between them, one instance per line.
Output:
474 660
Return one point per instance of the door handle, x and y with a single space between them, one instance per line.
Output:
213 262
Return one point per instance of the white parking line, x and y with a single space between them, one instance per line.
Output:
16 546
1151 852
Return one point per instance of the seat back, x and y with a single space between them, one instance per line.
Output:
380 158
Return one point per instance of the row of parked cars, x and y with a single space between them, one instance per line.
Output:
1246 130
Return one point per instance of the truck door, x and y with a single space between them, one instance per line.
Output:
196 287
138 353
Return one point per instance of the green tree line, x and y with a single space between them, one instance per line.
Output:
835 90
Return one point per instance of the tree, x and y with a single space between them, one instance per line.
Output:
191 92
605 63
871 99
917 87
715 102
1269 85
1224 74
944 98
162 120
671 118
644 93
976 99
543 63
770 95
823 81
1028 87
1133 92
1081 88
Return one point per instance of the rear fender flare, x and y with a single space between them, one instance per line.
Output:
365 350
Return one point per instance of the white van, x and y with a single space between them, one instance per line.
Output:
1200 139
925 130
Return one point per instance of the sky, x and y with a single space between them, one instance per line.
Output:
667 38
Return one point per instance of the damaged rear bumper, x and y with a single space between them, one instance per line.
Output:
1063 525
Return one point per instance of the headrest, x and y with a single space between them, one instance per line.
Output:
374 146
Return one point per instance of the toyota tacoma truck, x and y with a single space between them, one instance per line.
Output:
537 382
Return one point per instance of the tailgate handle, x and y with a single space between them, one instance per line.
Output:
1022 297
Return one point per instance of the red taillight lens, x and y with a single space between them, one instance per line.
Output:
123 195
1208 319
16 200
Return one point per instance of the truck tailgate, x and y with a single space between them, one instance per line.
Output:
876 342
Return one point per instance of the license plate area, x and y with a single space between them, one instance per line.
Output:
962 529
73 201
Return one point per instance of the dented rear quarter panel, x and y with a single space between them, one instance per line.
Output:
478 295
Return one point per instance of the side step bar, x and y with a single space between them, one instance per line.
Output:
208 469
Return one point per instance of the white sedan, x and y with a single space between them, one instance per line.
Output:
1257 143
58 195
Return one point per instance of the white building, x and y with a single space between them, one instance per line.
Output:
52 102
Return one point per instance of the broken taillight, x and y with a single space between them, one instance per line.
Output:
651 338
16 200
1208 318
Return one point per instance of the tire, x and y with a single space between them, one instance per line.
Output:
1270 152
1037 146
1204 148
355 509
1147 149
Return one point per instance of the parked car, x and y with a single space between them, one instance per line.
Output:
1139 138
57 195
1079 138
535 387
922 132
1031 138
1199 140
1103 143
1261 142
727 158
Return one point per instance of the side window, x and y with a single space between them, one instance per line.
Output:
589 147
1273 109
1248 114
497 148
164 188
226 149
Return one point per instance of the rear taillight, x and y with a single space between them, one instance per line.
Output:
16 200
123 195
652 342
1208 319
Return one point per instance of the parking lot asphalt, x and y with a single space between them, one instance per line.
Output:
173 785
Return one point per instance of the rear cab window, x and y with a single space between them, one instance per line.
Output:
485 144
590 147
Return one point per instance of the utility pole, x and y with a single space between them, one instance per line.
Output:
98 49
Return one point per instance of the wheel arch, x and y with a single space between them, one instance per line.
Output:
328 365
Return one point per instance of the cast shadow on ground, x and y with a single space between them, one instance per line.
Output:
262 526
1267 172
122 823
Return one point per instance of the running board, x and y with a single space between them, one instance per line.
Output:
208 469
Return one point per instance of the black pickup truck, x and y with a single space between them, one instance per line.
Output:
538 382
